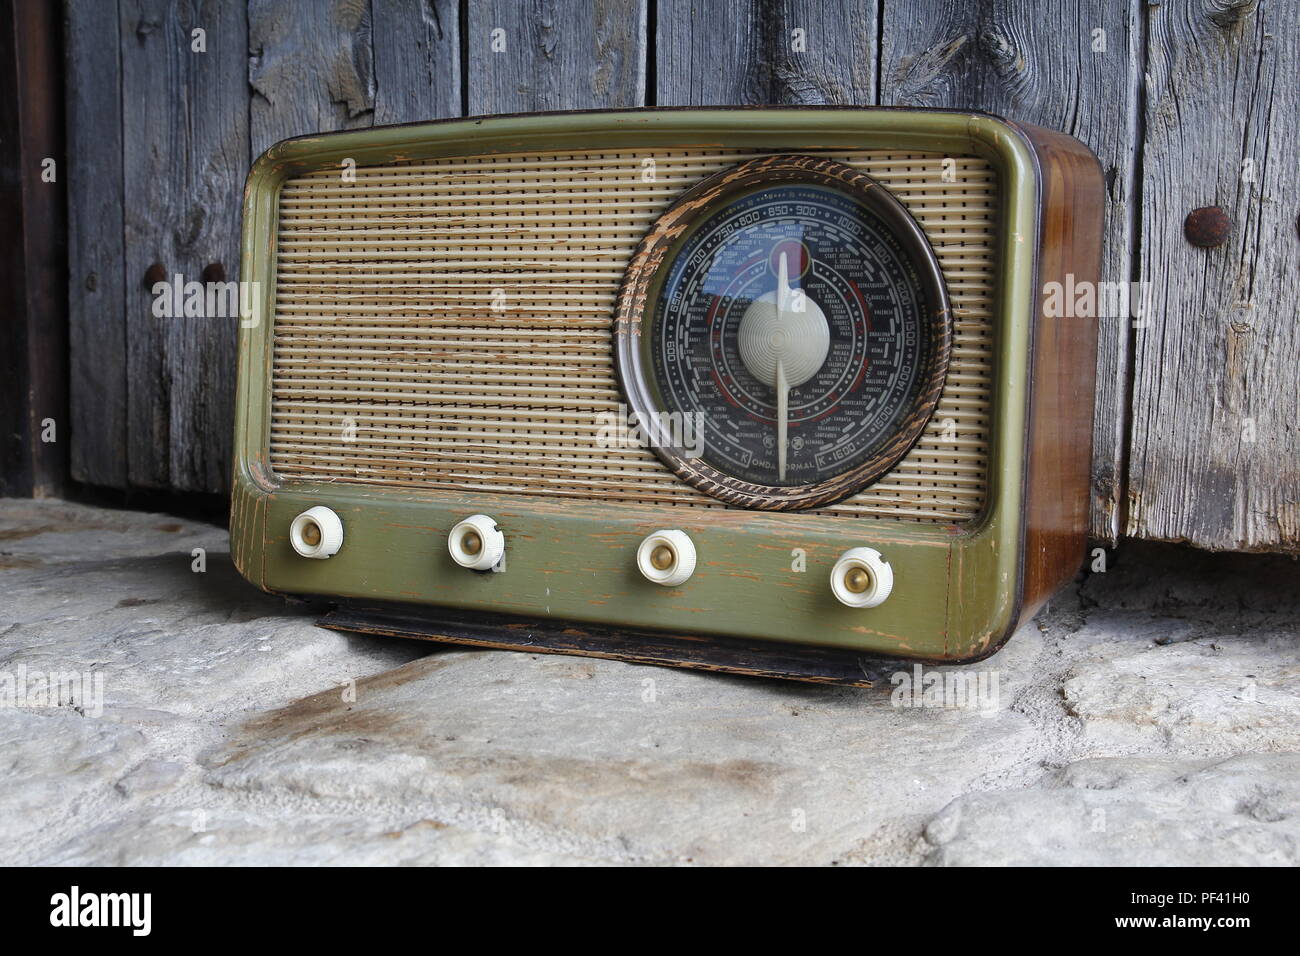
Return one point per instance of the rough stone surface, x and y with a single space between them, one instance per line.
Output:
1131 811
1151 715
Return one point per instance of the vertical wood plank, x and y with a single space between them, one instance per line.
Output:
309 72
34 427
759 52
1056 71
150 143
1215 457
351 65
96 301
185 137
416 60
529 55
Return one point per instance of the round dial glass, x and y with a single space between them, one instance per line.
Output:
795 331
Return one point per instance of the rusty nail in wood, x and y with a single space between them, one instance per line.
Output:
214 272
1207 227
154 274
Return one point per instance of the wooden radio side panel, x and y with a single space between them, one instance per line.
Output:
1063 378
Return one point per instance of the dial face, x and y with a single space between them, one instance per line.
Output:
793 337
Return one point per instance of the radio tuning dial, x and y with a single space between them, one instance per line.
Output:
666 558
795 308
862 578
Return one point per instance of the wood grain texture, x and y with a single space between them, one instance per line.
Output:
96 298
416 60
1021 62
185 139
350 66
1215 458
745 53
33 280
527 55
1064 369
309 72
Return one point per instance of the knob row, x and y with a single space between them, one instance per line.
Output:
861 578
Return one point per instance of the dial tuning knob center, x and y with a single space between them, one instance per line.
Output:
797 339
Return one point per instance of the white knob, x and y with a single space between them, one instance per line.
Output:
666 557
476 543
316 533
862 578
798 338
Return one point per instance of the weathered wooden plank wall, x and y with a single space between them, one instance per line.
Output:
803 51
96 296
1179 394
33 254
416 60
185 155
1215 452
308 73
529 55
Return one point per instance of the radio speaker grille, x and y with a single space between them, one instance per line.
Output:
446 324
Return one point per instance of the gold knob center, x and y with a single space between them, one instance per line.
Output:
662 557
471 543
311 533
857 580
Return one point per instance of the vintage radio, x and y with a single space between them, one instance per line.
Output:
761 390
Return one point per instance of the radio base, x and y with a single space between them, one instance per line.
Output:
817 665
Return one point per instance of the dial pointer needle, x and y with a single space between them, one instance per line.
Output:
782 413
782 388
